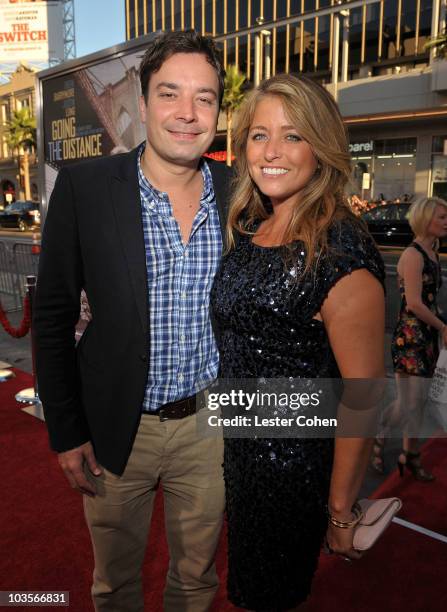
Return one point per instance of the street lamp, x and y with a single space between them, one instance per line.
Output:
336 49
259 42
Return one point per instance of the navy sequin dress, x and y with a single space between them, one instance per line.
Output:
277 489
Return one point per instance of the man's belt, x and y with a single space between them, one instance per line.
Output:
177 410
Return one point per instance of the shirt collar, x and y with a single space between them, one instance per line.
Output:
207 193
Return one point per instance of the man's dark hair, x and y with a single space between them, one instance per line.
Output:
170 43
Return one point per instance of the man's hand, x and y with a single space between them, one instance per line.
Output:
86 314
72 462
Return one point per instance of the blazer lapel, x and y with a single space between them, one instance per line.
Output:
222 177
127 207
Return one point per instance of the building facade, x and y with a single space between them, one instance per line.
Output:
16 94
378 32
370 54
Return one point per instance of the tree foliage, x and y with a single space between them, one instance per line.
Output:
439 43
232 99
233 92
22 135
21 130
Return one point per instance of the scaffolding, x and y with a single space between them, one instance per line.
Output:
69 30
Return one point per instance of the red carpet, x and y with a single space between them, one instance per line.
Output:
45 544
425 504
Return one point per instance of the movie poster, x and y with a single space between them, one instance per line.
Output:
91 112
31 30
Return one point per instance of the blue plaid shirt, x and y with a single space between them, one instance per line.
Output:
183 357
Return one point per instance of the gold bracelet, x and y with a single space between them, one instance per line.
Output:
358 515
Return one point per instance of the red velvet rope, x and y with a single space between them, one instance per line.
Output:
24 327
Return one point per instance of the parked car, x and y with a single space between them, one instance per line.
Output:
22 214
388 225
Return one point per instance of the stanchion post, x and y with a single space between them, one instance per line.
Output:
30 395
31 290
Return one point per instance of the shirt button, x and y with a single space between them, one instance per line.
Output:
183 295
143 357
181 377
183 337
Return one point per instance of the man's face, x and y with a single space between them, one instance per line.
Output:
182 109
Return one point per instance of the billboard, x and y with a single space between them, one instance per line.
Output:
90 112
31 30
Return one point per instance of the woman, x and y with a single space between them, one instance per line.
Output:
299 294
414 345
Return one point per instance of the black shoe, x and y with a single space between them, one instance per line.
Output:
376 461
414 466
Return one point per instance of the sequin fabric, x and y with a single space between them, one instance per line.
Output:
414 345
277 489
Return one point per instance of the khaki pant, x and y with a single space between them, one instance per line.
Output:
190 470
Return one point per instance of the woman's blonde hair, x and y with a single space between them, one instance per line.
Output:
421 213
315 115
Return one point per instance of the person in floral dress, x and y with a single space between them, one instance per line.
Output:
415 339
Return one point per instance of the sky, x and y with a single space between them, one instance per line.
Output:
98 24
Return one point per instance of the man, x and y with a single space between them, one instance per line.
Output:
142 233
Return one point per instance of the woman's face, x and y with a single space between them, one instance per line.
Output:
279 161
438 224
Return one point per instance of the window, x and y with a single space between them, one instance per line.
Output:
391 212
4 113
5 148
377 214
439 167
401 212
391 166
395 147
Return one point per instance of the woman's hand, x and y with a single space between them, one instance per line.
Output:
340 541
354 317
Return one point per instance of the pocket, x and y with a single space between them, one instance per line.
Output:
88 355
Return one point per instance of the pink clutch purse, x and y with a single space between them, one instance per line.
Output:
377 515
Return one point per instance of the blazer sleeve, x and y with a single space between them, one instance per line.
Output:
56 312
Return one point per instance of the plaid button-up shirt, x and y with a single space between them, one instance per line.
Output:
183 357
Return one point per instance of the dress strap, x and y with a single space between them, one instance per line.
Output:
425 254
420 249
436 265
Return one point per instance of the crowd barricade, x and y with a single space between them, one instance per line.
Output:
7 276
20 259
17 261
30 395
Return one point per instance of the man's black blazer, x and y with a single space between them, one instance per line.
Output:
93 239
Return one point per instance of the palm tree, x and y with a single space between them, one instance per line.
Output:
439 43
232 99
21 138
